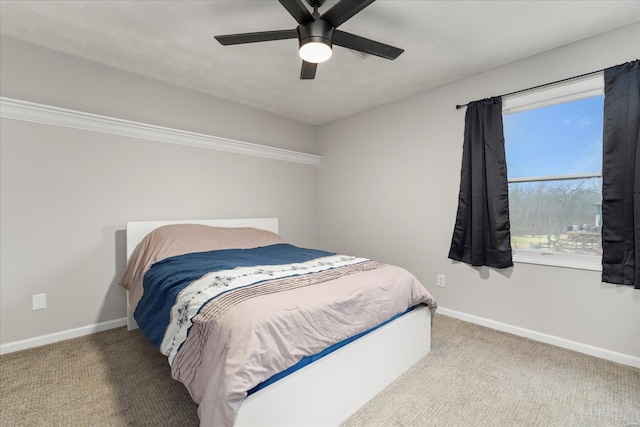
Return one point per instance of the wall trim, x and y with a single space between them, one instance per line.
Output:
625 359
61 336
47 114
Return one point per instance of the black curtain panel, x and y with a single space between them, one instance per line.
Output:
621 175
481 235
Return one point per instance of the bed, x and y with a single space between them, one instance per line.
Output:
325 392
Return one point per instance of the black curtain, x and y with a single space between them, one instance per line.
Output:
621 175
481 235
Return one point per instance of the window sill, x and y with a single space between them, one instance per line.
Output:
551 259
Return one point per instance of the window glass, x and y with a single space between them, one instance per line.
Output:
555 140
558 216
554 166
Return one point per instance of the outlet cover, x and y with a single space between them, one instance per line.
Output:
39 302
441 280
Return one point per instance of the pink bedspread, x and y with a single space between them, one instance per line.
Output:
235 346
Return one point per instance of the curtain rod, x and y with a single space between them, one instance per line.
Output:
459 106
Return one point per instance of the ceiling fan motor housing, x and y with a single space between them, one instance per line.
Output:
317 30
316 4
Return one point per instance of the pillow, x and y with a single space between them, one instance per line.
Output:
179 239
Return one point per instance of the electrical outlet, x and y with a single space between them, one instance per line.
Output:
441 280
38 302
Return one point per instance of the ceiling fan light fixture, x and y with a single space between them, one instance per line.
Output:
315 40
315 51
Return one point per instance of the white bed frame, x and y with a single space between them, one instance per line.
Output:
328 391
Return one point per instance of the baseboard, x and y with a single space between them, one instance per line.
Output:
61 336
613 356
625 359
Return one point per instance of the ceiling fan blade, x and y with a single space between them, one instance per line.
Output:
297 9
344 10
308 70
361 44
263 36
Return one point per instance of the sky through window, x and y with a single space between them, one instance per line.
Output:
559 139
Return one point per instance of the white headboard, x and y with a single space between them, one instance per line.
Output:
137 230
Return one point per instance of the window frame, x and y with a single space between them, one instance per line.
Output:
572 90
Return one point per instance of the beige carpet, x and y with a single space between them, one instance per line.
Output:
474 376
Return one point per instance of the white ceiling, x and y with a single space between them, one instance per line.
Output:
444 41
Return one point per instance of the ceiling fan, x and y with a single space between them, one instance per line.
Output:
317 33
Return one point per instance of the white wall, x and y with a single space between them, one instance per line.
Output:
66 194
388 189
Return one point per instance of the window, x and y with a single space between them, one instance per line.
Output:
553 143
